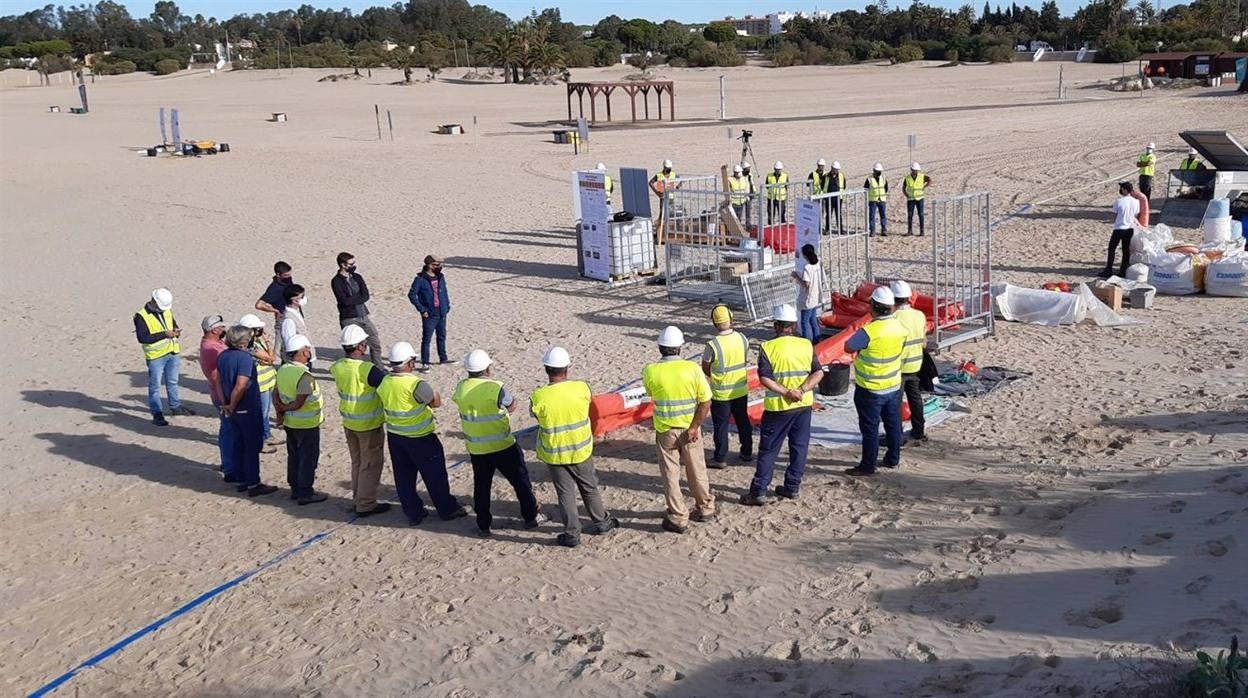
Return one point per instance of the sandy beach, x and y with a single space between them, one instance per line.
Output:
1080 532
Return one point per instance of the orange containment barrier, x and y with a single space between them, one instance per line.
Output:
782 238
949 311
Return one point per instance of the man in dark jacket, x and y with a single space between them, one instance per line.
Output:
428 294
352 295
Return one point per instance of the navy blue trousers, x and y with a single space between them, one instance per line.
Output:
242 436
421 457
873 408
776 426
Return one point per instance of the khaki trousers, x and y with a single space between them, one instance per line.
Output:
674 452
368 458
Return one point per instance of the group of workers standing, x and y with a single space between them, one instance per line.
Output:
824 179
385 403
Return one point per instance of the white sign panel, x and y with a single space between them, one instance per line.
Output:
595 220
576 196
807 229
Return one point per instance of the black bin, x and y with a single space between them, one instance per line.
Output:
835 379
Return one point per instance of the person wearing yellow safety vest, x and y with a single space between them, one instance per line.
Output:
565 443
1191 162
608 184
789 371
159 335
823 181
408 402
299 411
915 323
1147 162
877 383
267 362
876 185
664 186
682 402
739 193
776 191
749 177
485 407
915 186
724 363
362 418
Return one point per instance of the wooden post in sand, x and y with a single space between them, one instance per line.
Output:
377 113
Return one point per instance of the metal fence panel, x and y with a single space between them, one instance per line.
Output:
961 268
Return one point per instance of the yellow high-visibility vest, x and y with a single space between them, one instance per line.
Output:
667 180
777 187
266 374
158 324
740 187
675 389
790 359
487 427
609 184
310 415
878 367
915 323
729 374
358 402
875 188
404 416
1190 164
818 182
915 186
1150 163
564 435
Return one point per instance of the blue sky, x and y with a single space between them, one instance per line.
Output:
581 11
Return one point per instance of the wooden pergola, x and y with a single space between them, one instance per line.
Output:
593 89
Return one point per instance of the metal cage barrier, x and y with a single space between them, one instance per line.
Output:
961 268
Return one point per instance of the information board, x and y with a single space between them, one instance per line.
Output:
595 221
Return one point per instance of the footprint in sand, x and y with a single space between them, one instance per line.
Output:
1121 575
1218 548
1106 612
1198 585
1219 518
1102 486
1177 506
1155 538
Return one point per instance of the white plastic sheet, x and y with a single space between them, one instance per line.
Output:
1150 241
1173 274
1053 308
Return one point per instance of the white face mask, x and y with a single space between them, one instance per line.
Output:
303 301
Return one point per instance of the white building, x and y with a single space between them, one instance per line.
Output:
777 20
773 23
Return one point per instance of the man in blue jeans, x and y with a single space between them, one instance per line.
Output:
428 294
160 336
877 382
242 430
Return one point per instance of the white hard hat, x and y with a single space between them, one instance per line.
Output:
401 353
352 335
900 289
296 343
836 164
784 313
821 163
477 361
736 169
251 322
1152 146
883 296
672 337
779 165
1191 151
600 166
915 166
556 357
163 298
745 165
878 168
667 164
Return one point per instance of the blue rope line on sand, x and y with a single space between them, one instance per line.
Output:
213 593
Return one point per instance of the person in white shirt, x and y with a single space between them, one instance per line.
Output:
1126 208
292 318
809 294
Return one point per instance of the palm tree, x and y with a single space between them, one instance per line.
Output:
503 50
546 58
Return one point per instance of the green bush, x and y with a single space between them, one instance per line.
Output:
951 55
1118 50
113 67
167 66
998 54
786 56
678 62
908 54
50 64
934 50
839 56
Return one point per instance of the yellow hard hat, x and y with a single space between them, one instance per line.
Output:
721 315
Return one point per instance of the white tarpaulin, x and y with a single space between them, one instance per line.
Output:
1053 308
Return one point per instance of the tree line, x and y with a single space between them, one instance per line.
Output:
437 34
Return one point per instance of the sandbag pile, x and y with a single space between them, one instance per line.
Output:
1216 266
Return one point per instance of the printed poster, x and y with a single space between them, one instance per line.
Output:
595 222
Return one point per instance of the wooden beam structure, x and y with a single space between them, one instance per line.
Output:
632 89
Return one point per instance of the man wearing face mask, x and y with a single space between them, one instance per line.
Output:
272 301
292 318
428 294
352 294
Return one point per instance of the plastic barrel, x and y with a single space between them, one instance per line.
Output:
1218 208
223 147
835 379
